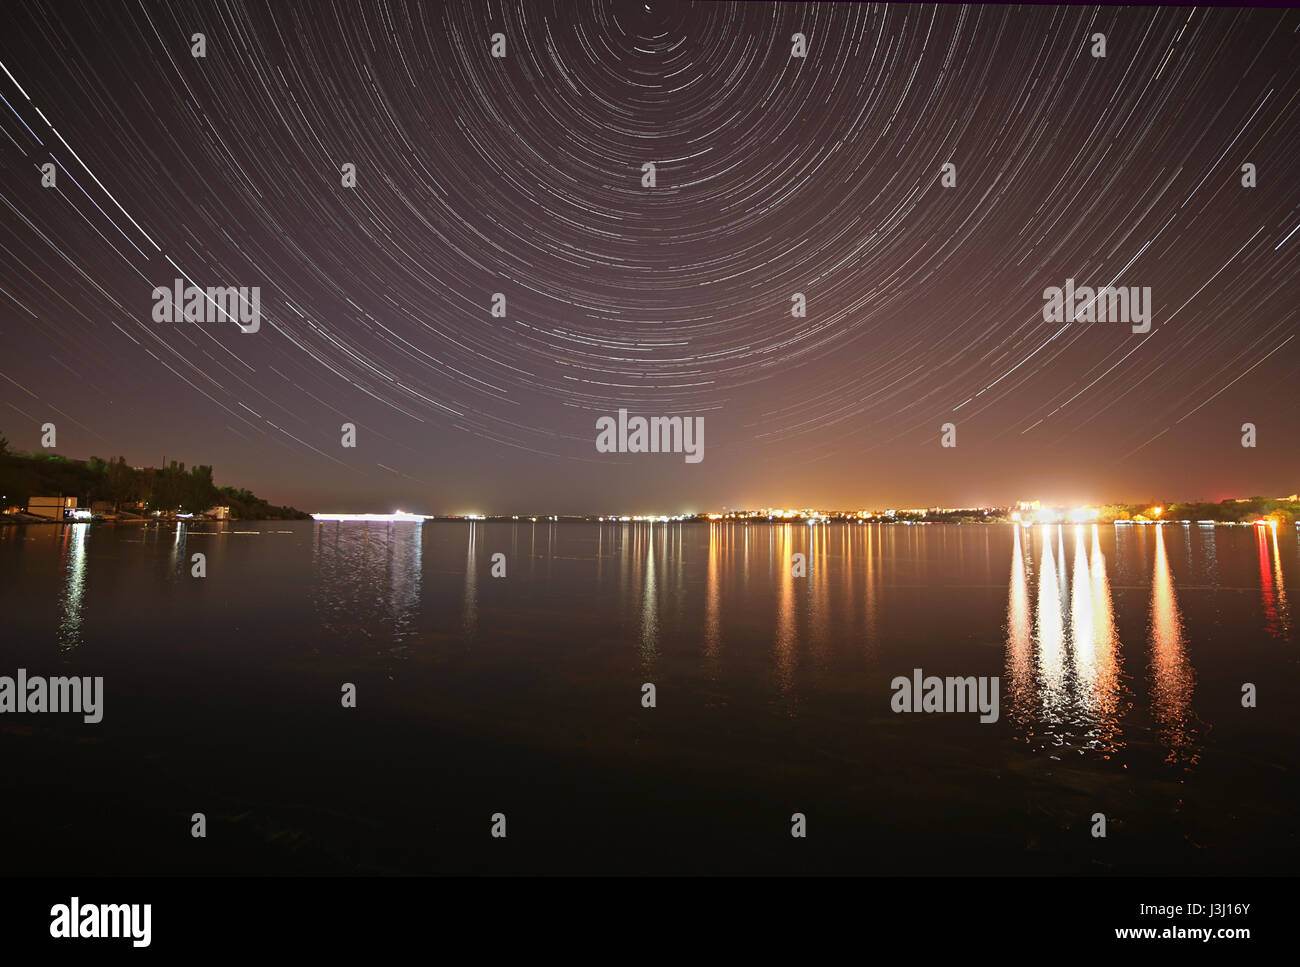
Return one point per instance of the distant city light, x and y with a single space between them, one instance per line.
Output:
395 516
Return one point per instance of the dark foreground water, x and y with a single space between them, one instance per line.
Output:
1121 654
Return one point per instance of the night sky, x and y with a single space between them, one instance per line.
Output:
775 175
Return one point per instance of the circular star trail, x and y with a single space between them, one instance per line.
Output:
773 175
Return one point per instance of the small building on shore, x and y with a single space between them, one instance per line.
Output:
55 508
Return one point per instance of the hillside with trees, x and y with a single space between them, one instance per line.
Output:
1244 511
170 489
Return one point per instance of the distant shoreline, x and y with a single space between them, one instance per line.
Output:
573 519
20 520
17 520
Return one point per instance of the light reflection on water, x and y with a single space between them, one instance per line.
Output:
1066 681
786 640
729 589
1100 657
366 580
649 606
469 612
1019 688
713 596
1174 678
1276 612
1065 684
1064 689
74 538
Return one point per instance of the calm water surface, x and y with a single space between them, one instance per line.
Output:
1121 654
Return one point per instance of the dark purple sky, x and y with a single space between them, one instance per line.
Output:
523 175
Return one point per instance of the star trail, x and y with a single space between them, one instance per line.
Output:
523 175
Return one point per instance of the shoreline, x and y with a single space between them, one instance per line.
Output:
21 520
18 520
